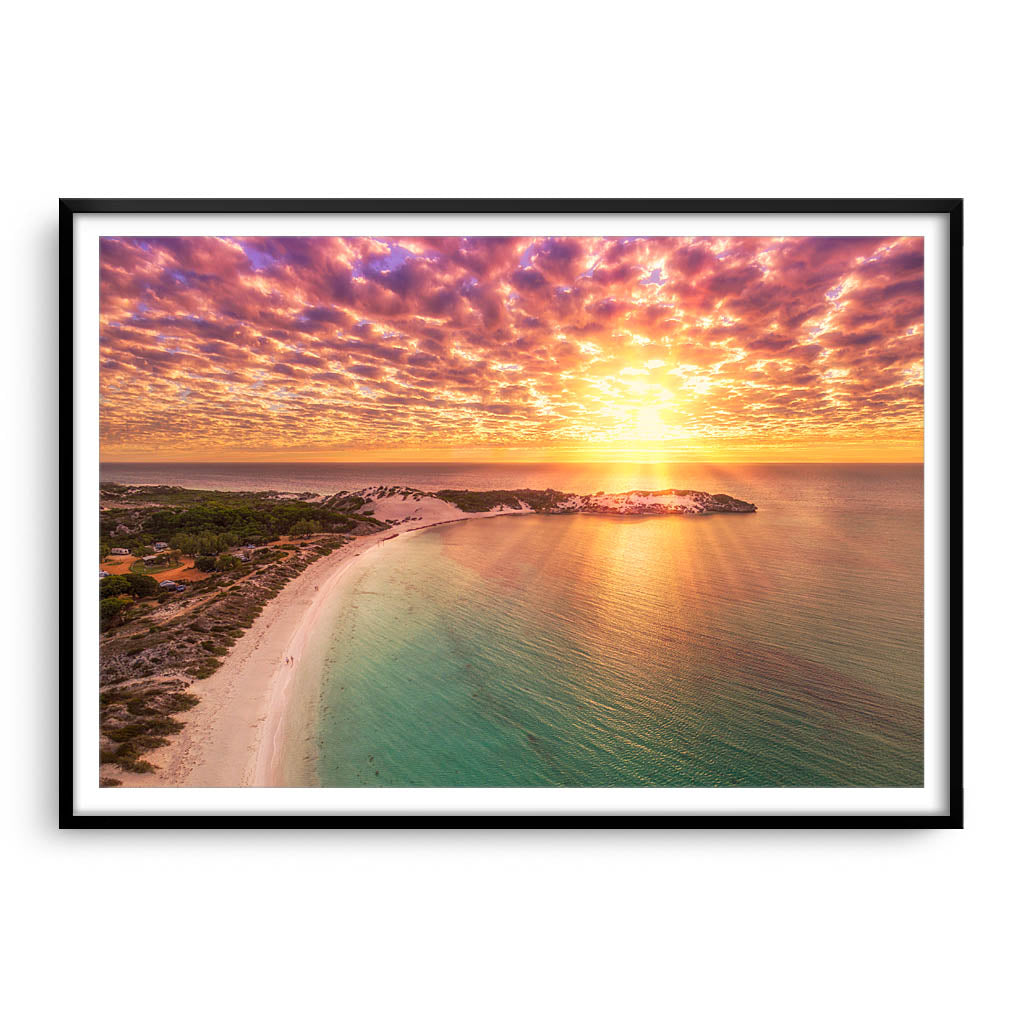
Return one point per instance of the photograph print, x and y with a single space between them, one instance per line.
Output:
525 513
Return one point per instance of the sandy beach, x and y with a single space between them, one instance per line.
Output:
239 734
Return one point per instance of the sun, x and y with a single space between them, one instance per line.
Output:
640 425
649 425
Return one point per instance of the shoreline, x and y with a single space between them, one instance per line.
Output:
243 731
255 723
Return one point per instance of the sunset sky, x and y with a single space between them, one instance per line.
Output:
519 349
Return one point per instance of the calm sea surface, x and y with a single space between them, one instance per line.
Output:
777 649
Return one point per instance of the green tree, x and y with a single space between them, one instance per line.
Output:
140 585
225 562
112 610
209 543
112 586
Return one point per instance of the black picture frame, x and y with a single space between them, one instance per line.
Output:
953 209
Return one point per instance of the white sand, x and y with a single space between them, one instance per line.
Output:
238 733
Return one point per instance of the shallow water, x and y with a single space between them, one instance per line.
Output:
777 649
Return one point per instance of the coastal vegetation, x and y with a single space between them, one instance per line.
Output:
208 522
155 645
184 573
353 502
484 501
156 640
631 502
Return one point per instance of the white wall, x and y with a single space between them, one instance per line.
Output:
204 99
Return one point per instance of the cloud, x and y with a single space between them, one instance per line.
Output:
343 344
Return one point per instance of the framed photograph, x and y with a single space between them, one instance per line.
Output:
518 513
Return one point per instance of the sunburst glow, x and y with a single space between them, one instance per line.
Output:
523 349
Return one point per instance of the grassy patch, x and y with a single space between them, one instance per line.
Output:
152 569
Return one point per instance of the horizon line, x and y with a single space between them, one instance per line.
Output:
507 462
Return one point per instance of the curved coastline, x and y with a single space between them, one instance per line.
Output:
255 724
246 729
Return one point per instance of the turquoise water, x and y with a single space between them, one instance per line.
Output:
777 649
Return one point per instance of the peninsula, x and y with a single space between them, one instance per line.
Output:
207 599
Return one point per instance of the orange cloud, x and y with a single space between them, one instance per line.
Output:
561 347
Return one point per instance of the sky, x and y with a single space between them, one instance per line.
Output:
512 349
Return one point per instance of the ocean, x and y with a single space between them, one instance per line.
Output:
783 648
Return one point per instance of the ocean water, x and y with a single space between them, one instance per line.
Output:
778 482
782 648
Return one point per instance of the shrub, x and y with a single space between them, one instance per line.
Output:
180 702
124 733
205 668
149 742
185 542
112 610
113 586
483 501
140 585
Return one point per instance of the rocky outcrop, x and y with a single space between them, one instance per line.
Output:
390 502
726 503
649 503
